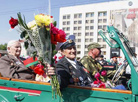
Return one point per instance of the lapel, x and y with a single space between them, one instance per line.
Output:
69 65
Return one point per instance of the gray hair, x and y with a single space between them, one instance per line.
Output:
10 43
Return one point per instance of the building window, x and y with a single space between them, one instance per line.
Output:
79 34
104 20
75 16
79 28
91 21
78 52
79 22
87 14
104 27
68 16
99 14
87 27
75 34
68 22
67 34
86 46
64 23
75 28
104 46
64 29
99 39
78 46
79 40
86 34
99 20
68 28
91 39
64 17
86 40
91 33
75 22
87 21
80 15
100 27
92 14
104 52
104 13
86 52
91 27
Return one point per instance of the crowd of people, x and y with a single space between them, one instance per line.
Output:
69 70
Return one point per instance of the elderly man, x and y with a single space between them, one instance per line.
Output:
68 69
11 65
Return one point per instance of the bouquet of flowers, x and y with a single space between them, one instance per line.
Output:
98 82
43 35
101 80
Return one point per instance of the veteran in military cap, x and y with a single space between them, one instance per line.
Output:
94 50
68 69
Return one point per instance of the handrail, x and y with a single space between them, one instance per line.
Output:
101 89
71 86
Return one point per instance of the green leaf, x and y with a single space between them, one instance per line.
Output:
21 21
55 23
23 34
26 44
32 44
40 59
34 54
27 36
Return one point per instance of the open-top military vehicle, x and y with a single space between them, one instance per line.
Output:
14 90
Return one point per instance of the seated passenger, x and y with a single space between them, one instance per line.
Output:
90 63
69 70
11 65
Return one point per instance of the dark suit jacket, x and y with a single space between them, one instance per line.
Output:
66 72
11 67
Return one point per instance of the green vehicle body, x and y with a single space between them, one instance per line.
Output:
14 90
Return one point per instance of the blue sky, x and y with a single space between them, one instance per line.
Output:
10 8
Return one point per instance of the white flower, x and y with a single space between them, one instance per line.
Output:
34 31
31 24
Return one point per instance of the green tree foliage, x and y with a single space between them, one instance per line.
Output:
3 46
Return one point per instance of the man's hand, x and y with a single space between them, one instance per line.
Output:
50 70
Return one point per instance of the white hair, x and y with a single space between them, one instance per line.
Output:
10 43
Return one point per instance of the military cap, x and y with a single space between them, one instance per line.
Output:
93 45
69 42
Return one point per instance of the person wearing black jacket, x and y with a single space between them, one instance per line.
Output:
69 70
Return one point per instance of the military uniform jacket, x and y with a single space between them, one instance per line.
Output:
91 65
66 73
11 67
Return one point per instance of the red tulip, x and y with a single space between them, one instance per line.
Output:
96 82
103 73
97 75
102 85
39 69
13 22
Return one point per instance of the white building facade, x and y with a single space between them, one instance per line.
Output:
84 21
